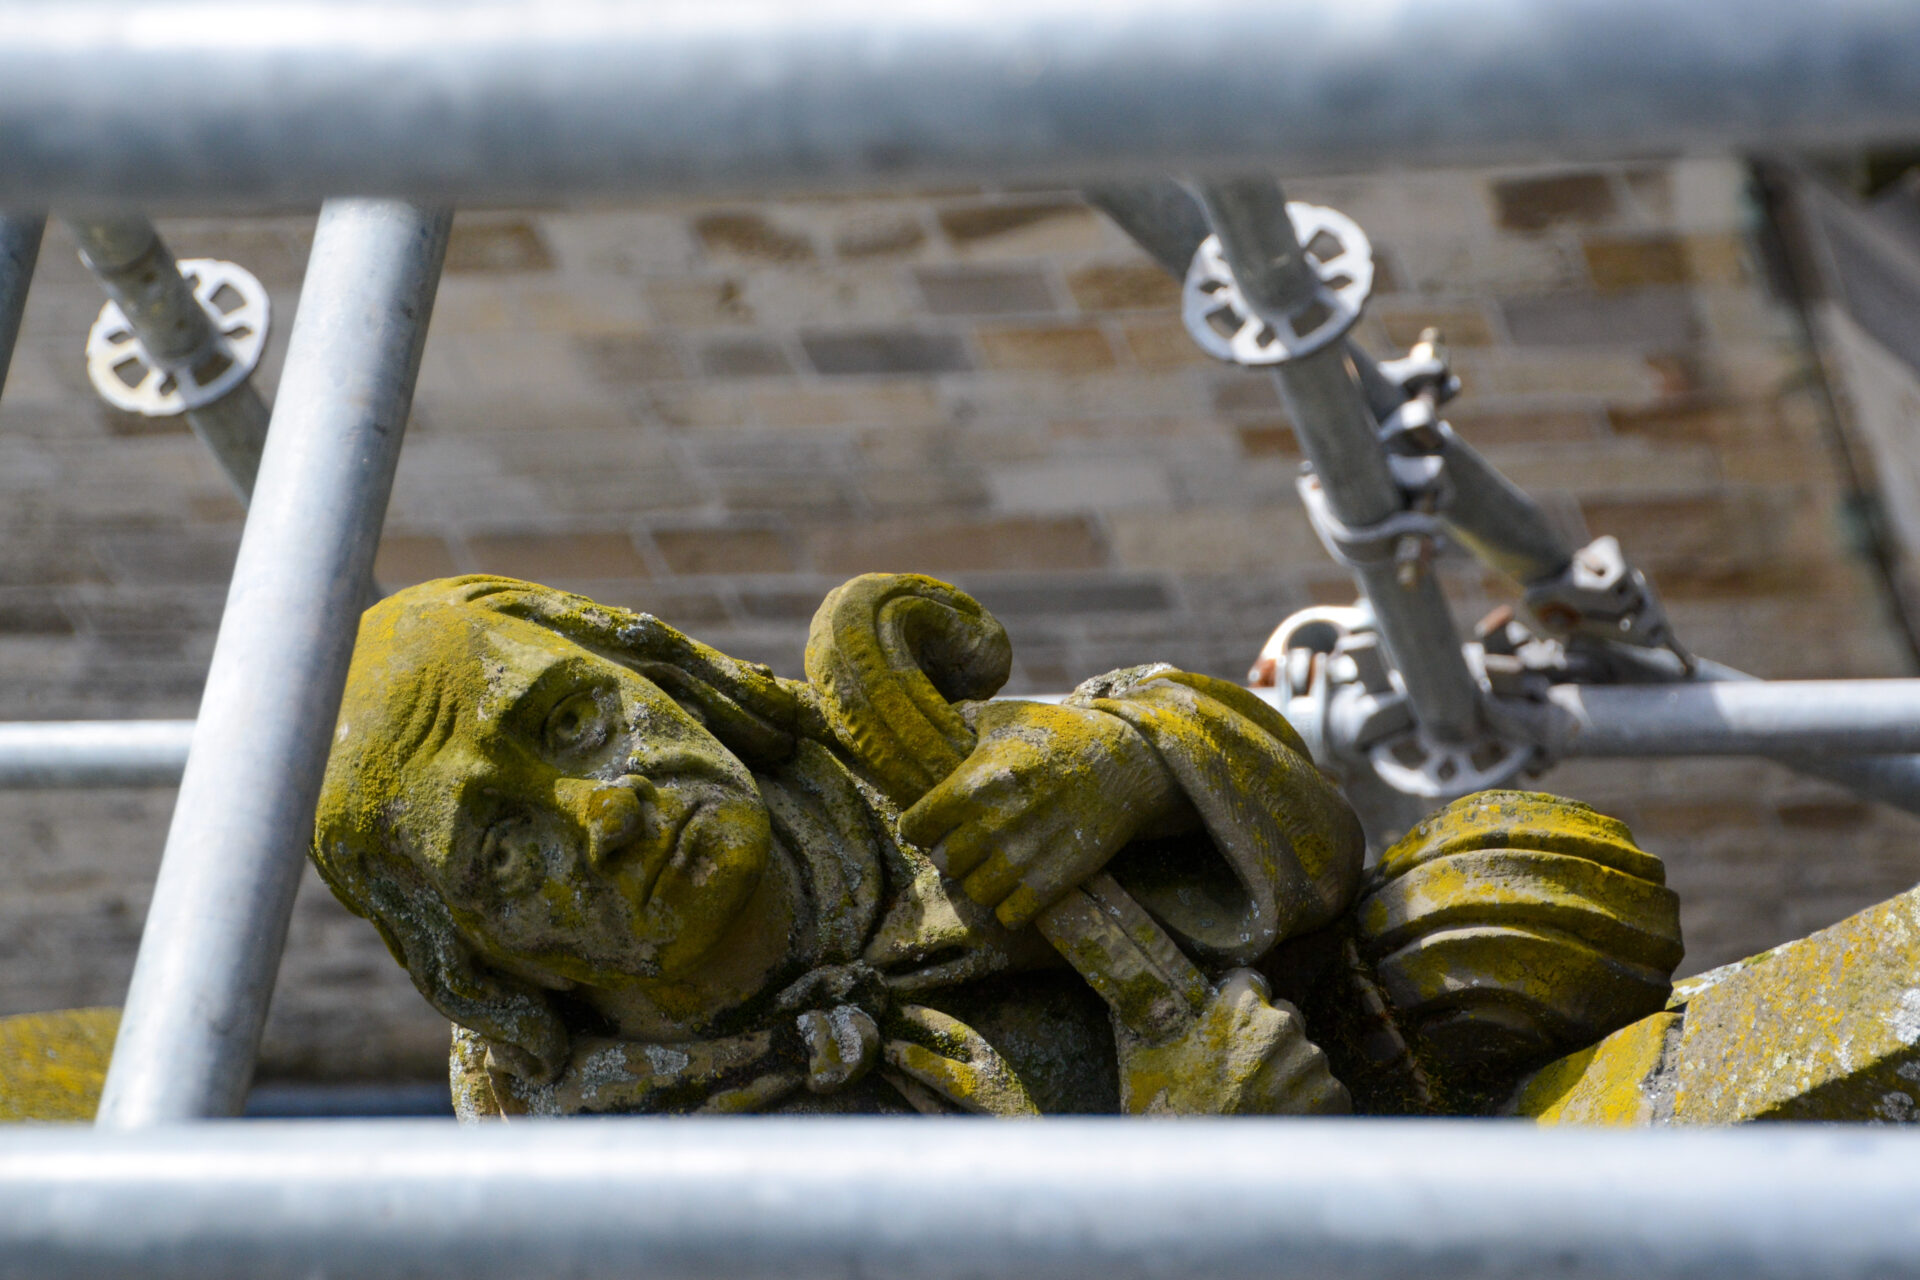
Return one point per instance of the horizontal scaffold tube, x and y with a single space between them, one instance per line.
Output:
1757 717
1049 1200
93 753
478 101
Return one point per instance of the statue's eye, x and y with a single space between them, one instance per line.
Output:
577 724
512 856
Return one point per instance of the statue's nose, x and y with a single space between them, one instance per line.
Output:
615 815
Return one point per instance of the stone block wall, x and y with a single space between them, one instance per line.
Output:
716 412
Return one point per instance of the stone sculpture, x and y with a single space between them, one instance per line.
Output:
1826 1027
641 876
54 1064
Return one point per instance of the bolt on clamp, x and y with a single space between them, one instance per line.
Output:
1408 539
1600 596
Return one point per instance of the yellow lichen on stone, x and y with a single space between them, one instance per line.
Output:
1825 1028
1611 1083
53 1064
1512 926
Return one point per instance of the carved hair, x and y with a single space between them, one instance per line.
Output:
359 845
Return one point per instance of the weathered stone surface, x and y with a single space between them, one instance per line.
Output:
744 357
752 236
494 244
53 1064
1619 263
1062 349
1536 203
1022 228
1107 286
1610 1083
984 291
1824 1028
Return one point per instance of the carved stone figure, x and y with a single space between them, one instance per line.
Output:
639 875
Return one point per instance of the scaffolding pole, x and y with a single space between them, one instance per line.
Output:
1341 439
93 753
536 100
244 817
911 1199
138 271
1833 727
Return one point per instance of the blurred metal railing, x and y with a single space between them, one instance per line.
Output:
485 101
914 1199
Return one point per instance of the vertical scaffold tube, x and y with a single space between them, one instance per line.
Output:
1340 437
19 251
244 816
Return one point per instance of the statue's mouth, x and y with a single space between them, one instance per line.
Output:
675 853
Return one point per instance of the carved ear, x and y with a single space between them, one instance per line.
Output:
526 1035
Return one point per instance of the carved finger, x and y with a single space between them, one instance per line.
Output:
1295 1079
1065 862
1298 1081
948 1056
964 849
936 813
979 788
1237 984
999 873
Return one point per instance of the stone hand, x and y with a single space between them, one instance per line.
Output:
1048 795
1243 1055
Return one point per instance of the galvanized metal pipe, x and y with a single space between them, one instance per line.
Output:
19 251
1763 717
908 1199
1890 779
1341 438
138 271
1495 519
537 100
1637 721
244 817
93 753
1854 722
1854 725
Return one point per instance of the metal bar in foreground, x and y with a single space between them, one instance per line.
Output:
19 251
502 100
910 1199
244 816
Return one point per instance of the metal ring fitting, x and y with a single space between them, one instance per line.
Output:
1220 320
128 378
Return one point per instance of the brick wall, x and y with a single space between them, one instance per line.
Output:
717 412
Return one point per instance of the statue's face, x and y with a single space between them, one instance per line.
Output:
580 825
